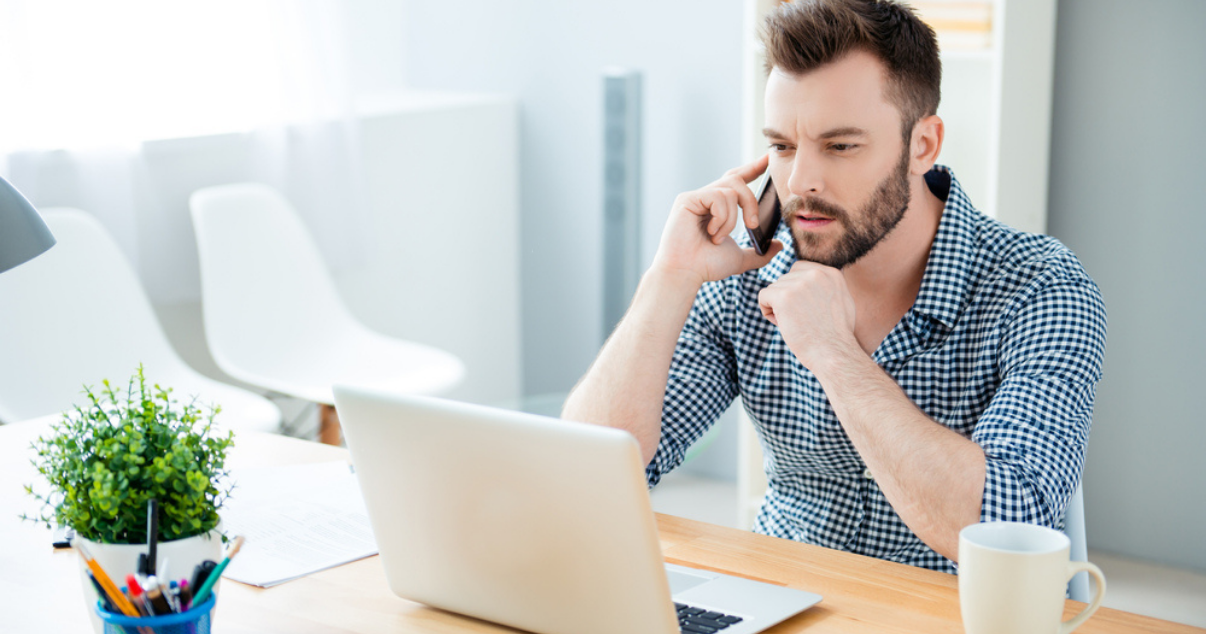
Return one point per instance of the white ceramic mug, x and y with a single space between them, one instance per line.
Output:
1013 578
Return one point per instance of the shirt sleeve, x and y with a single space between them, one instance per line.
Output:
702 382
1036 427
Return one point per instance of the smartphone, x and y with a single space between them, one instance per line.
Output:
768 216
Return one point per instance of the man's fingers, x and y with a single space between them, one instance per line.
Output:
749 206
718 205
750 171
764 304
730 221
751 260
745 197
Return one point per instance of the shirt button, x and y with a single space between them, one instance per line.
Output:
867 474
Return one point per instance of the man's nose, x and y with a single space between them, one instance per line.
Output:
806 177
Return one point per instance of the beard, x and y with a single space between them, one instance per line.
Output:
874 222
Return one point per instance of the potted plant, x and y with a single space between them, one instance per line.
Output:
107 460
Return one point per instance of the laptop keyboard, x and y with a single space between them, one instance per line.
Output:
700 621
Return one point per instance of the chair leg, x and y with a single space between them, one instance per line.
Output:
329 430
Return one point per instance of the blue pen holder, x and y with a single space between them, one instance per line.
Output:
195 621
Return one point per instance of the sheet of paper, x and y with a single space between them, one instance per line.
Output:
296 520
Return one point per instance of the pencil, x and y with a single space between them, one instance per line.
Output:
116 596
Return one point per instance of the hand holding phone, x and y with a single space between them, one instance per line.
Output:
698 236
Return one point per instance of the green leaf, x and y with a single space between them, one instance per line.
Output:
105 458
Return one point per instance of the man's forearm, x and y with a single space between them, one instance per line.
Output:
932 476
625 386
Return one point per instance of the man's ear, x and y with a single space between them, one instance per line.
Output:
926 143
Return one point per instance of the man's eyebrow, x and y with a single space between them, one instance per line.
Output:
844 131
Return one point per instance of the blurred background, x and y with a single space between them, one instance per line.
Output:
452 161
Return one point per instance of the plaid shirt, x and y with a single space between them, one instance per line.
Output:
1004 345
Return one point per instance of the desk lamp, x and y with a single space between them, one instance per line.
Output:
23 235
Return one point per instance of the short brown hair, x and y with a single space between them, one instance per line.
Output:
803 35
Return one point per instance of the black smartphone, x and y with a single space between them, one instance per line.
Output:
768 216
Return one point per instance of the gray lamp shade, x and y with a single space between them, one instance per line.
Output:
23 235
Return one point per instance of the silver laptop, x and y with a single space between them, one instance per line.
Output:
532 522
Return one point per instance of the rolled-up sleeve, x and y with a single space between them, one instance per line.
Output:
1036 427
702 382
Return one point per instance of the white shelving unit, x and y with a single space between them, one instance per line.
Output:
996 104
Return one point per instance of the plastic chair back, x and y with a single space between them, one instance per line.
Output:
268 299
77 315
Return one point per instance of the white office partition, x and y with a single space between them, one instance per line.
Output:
441 265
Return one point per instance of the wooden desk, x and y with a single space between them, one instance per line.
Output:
40 589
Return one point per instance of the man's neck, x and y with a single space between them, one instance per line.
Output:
885 282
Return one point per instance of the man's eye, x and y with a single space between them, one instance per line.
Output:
842 147
778 147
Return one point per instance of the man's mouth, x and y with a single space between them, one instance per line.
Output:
812 221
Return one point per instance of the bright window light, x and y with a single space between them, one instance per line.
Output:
80 73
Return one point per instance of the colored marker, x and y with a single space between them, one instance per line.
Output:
201 573
155 598
203 592
137 596
186 596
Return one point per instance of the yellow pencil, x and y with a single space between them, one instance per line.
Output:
115 595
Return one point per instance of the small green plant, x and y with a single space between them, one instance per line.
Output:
105 461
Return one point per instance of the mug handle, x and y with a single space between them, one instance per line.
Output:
1076 621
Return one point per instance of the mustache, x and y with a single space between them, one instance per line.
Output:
792 208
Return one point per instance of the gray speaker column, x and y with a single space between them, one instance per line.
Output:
621 192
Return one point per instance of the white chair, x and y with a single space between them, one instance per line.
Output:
273 317
1074 528
78 315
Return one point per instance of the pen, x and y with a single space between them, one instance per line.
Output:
148 565
164 574
203 592
173 596
100 591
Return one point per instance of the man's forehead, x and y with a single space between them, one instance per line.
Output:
848 93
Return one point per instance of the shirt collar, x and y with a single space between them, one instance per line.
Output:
945 284
953 260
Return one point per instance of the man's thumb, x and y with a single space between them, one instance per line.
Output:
755 261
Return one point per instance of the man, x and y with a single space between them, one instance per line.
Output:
911 365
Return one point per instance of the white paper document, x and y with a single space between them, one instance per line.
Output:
296 520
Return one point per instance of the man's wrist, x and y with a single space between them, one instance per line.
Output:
676 281
839 358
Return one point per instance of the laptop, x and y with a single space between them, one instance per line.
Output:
531 522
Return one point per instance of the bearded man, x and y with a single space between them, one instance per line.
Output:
911 365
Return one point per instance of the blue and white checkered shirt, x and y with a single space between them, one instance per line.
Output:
1004 345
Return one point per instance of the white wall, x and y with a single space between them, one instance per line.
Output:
550 54
432 265
1127 194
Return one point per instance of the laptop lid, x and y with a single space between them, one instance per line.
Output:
527 521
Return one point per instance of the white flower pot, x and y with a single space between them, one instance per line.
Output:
119 560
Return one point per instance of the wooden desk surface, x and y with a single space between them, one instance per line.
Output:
40 589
